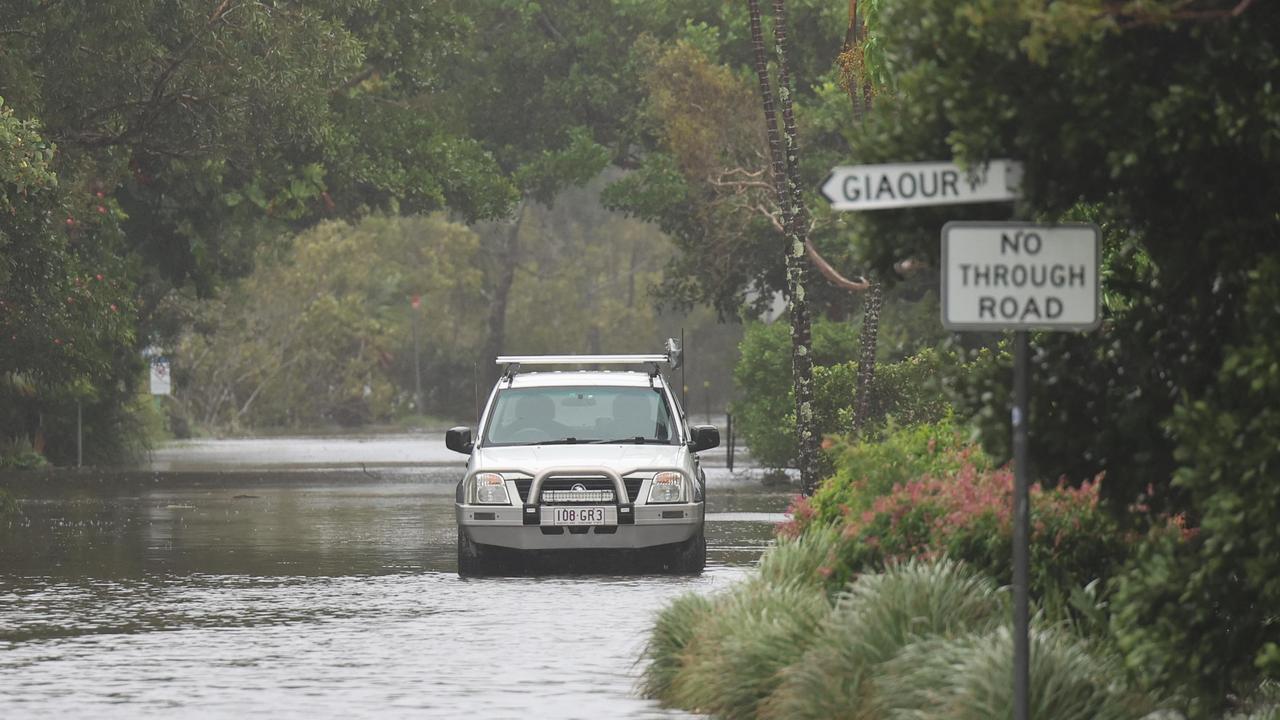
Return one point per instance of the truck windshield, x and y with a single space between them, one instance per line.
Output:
568 415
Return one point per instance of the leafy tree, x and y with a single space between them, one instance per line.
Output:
1201 614
586 278
199 132
321 335
1159 120
64 299
704 178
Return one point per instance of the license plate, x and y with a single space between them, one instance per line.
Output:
580 515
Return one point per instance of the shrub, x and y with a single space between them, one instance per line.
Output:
802 559
17 453
969 678
907 392
8 505
731 661
866 469
873 620
966 514
671 633
763 380
1203 615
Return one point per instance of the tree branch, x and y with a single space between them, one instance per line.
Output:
831 274
1141 17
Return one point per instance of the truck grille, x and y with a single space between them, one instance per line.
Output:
565 484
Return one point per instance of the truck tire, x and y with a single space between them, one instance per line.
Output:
690 556
473 559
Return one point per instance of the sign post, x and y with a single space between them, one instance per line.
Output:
415 303
995 277
1020 277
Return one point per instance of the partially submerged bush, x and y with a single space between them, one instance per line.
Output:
873 620
732 660
671 633
803 559
970 678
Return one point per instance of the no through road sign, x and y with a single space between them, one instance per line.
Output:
1019 276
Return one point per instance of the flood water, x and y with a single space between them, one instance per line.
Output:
316 590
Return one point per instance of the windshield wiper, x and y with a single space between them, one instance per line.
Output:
564 441
635 440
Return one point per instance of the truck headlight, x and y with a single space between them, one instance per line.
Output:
489 489
667 487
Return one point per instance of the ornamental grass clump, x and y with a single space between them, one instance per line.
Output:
873 619
804 559
671 633
732 660
969 678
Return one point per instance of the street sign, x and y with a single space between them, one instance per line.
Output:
1020 276
899 185
161 381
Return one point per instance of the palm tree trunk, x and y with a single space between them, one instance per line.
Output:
867 362
505 259
795 223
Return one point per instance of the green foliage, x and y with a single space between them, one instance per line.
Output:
186 135
600 290
702 116
968 678
672 630
66 299
924 492
8 505
323 335
1173 149
922 639
804 558
1160 124
868 469
1202 615
731 661
763 379
908 391
17 453
874 618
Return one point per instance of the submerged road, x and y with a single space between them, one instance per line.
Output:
316 578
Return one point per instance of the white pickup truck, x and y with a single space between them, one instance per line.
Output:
582 460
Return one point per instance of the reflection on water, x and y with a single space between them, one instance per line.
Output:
316 594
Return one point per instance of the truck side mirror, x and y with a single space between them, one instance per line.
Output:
459 440
703 437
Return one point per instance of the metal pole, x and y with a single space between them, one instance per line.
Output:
417 366
728 430
1021 534
79 435
684 386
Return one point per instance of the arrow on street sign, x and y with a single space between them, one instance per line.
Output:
899 185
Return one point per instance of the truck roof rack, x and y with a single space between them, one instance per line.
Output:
673 355
580 359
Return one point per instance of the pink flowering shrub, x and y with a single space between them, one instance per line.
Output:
870 468
965 512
